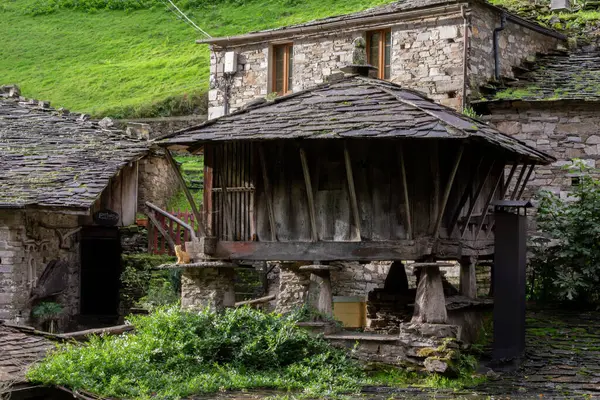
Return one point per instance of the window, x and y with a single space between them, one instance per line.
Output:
283 61
379 51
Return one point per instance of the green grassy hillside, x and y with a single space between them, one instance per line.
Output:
136 60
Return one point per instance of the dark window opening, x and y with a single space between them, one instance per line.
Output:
379 52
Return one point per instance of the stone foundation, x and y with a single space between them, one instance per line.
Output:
207 287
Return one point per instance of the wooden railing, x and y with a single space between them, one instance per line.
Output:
169 228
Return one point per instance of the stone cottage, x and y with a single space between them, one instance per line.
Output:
67 184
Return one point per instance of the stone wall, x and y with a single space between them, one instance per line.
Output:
515 43
564 130
157 182
426 55
28 242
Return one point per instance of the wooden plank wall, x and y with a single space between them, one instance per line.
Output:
377 176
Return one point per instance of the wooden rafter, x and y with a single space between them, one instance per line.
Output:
309 196
475 198
405 192
447 191
352 193
268 193
465 196
488 202
188 194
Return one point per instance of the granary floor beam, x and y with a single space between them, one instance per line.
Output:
447 191
487 204
405 192
268 193
352 193
188 194
309 196
465 196
475 198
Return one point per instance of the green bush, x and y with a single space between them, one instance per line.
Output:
174 354
566 258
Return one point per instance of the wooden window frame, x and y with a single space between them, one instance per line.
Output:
381 66
286 69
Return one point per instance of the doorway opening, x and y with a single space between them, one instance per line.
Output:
100 271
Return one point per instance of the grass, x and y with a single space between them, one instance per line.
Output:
138 63
192 169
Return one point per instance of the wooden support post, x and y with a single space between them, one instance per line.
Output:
405 192
514 195
352 193
475 198
268 194
449 185
465 196
309 196
487 204
186 191
525 181
468 278
162 230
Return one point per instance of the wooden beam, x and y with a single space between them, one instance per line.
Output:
352 193
465 196
259 300
514 195
268 194
162 231
504 191
447 191
350 251
208 186
488 202
228 210
409 233
309 196
475 198
186 191
527 177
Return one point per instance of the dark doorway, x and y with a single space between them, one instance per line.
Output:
100 271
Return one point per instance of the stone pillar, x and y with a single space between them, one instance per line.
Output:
202 287
293 287
468 278
321 275
430 303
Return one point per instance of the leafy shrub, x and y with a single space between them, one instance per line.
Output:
175 353
566 259
46 310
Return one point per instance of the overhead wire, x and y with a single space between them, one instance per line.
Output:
180 14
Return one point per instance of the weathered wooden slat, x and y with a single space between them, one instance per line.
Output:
208 185
226 211
268 193
352 193
475 198
447 191
309 195
409 233
186 191
434 160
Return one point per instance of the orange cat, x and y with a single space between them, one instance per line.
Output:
182 256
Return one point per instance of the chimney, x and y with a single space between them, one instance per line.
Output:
359 64
560 5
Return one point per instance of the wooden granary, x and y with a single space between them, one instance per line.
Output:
353 169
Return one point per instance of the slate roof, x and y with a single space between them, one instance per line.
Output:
349 108
53 160
20 347
572 76
378 11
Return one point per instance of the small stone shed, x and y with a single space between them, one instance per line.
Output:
553 105
355 169
67 184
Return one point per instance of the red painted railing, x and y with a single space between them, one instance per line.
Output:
157 244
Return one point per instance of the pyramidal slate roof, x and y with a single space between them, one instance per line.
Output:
50 158
552 77
350 108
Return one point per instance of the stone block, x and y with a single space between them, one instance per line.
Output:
448 32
